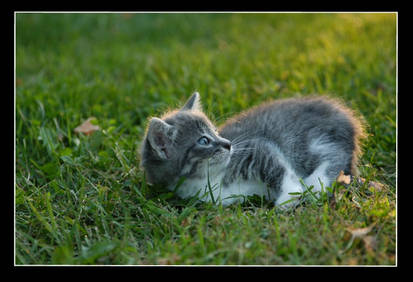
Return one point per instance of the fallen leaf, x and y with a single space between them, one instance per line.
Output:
360 232
347 179
342 178
370 242
87 127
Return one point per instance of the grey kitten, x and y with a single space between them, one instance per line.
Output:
268 150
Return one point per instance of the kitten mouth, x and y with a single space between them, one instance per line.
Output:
223 157
228 159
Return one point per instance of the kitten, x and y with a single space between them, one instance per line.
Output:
265 151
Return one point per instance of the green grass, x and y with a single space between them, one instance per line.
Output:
83 200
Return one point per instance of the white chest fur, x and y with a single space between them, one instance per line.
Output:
238 190
229 194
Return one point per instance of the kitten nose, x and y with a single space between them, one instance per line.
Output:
226 145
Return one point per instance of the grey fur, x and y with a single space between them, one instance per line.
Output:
291 124
296 134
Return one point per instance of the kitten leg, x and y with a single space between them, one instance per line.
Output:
276 171
319 175
290 184
334 157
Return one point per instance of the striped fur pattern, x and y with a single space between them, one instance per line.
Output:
268 150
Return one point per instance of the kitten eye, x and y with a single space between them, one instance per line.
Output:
203 141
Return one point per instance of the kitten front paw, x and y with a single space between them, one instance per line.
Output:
290 193
287 204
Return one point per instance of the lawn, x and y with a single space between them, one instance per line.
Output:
81 199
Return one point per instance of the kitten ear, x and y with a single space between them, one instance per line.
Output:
193 103
161 136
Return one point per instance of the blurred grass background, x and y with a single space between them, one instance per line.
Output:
82 199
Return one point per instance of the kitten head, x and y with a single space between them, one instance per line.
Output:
181 143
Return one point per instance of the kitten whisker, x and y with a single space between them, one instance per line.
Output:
234 143
243 149
239 137
240 142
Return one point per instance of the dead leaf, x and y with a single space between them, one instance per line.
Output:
347 179
360 232
370 243
87 127
342 178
